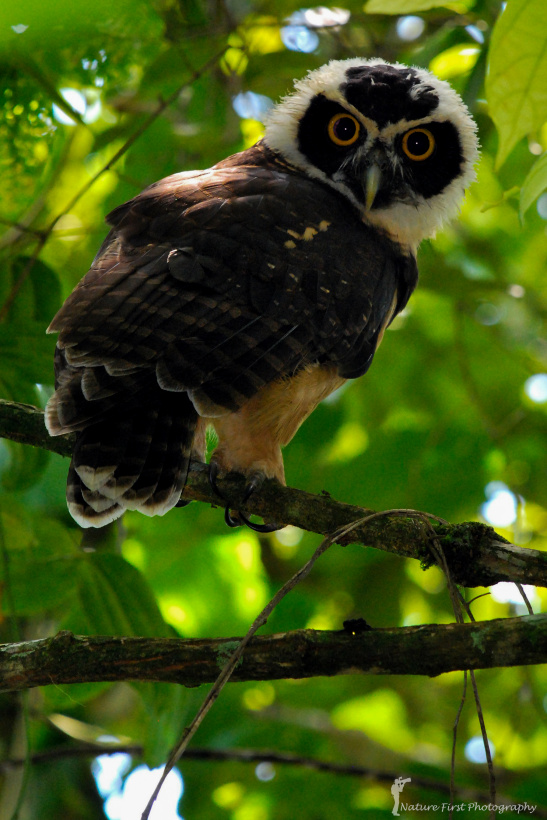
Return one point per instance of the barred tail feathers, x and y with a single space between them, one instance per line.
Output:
134 460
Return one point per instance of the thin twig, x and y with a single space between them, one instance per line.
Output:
480 715
455 596
440 558
257 756
454 744
46 233
160 108
458 601
35 232
229 667
525 598
476 597
491 774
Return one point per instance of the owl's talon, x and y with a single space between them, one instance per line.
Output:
254 483
230 520
260 527
238 520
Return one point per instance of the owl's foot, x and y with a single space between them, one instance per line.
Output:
254 484
239 519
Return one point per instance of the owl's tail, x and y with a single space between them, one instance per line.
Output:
132 458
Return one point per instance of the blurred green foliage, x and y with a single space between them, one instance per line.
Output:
446 418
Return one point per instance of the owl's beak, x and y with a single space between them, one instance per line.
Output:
373 179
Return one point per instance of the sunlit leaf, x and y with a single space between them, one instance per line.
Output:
534 184
456 60
404 6
263 36
371 713
516 83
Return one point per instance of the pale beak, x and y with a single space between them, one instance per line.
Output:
373 178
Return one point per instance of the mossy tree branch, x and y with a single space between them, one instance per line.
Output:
475 553
417 650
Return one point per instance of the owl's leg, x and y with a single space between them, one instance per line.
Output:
236 521
243 449
250 440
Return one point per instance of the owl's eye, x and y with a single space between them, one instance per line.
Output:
418 144
343 129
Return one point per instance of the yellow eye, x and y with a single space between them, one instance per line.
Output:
418 144
343 129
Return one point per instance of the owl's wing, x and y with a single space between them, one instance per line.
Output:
219 282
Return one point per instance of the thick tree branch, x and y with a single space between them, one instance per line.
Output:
475 553
25 424
417 650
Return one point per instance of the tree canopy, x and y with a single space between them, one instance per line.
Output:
98 100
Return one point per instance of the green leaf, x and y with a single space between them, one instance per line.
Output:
26 358
60 698
401 6
47 291
116 598
40 575
38 295
43 590
534 184
166 710
66 20
516 83
25 466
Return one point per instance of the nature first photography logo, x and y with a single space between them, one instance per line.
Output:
400 782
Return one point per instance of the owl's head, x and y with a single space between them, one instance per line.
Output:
396 141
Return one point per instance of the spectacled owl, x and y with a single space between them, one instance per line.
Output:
240 296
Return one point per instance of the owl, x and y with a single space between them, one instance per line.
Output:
239 297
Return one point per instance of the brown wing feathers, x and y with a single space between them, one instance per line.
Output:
209 287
